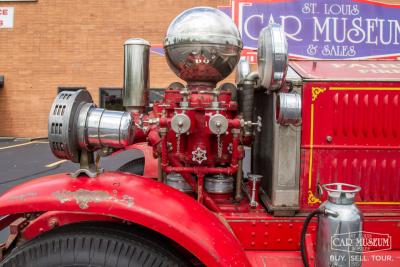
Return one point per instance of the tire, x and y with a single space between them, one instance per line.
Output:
84 245
135 166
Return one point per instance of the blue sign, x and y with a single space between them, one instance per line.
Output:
326 29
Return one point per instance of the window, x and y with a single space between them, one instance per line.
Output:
72 88
111 98
156 94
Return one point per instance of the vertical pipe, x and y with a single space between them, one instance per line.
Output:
200 189
239 178
163 158
160 171
136 74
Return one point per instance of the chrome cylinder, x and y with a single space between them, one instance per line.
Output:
272 57
136 73
339 238
98 128
176 181
219 184
288 108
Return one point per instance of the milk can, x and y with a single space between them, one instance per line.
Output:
339 239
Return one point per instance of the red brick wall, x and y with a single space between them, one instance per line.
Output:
74 43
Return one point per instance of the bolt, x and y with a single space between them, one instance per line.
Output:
53 222
329 138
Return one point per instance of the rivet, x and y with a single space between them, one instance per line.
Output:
290 240
53 222
253 234
253 244
265 243
290 225
266 234
280 225
329 138
266 224
278 241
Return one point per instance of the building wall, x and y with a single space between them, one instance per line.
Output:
76 43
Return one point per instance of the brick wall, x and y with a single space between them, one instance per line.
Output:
74 43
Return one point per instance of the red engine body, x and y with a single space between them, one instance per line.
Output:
349 133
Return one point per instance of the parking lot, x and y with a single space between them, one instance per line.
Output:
23 161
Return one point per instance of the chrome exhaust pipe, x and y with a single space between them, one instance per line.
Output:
136 74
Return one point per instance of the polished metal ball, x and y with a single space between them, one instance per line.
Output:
202 44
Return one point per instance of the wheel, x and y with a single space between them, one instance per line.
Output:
135 166
84 245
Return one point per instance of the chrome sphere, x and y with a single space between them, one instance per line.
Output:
202 45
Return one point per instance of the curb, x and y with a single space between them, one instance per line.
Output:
21 139
6 138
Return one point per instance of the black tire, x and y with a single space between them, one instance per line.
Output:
135 166
84 245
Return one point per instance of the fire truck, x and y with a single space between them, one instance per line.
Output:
296 164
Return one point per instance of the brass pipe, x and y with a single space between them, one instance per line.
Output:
239 178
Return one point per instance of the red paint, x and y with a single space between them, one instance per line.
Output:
350 133
348 70
150 163
167 211
355 139
52 219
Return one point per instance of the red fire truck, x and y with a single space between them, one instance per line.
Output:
296 164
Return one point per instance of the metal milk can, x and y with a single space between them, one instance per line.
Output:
339 239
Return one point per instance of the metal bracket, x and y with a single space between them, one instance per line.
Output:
15 230
87 165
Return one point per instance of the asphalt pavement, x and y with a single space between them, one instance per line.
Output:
23 161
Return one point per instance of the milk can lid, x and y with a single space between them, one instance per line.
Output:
341 193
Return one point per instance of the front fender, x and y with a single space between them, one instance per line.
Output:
136 199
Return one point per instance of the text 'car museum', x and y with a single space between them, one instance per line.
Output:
269 132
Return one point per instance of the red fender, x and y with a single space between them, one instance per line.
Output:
136 199
150 163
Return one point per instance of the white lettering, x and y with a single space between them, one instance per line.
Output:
246 25
297 31
321 29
